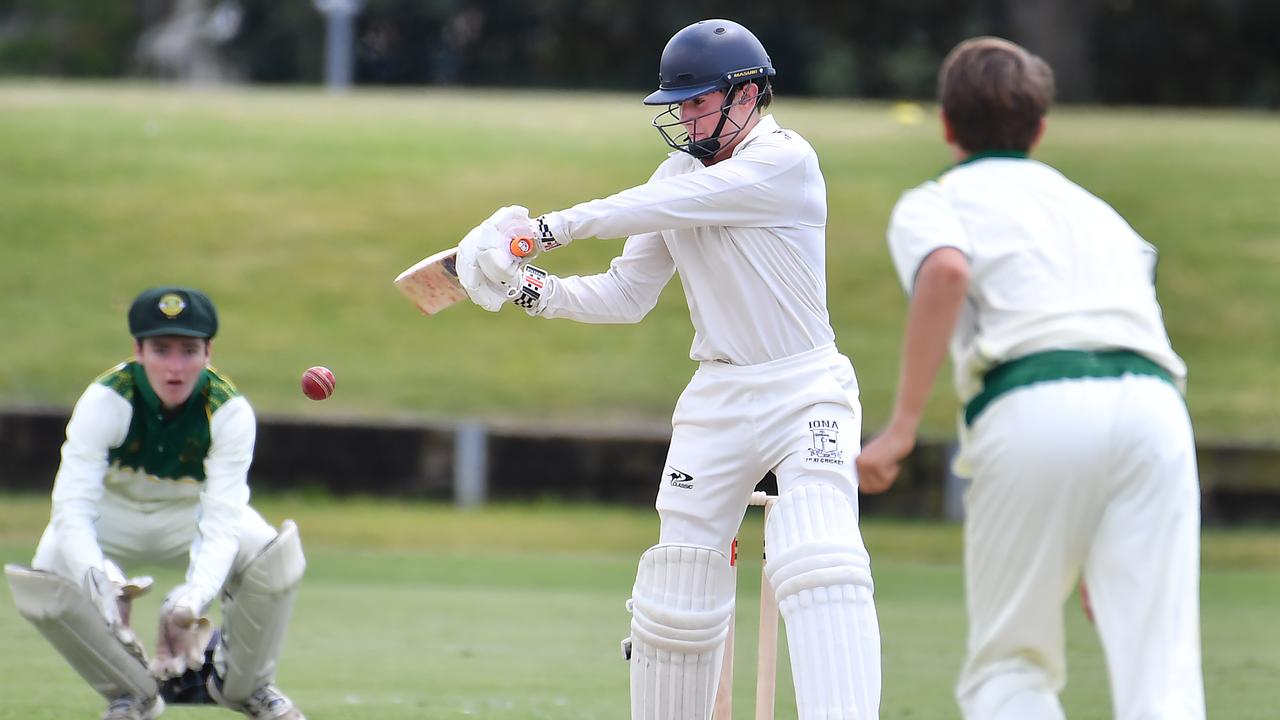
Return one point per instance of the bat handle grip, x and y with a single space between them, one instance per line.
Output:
523 246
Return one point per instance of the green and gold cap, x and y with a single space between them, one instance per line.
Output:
173 311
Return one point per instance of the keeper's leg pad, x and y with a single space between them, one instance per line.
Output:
680 610
821 575
110 658
255 613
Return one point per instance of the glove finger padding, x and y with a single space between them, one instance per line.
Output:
494 233
183 634
181 642
502 268
134 587
513 221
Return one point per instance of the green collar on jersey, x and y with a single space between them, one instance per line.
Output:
150 398
1007 154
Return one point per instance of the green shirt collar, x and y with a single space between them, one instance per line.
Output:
1008 154
148 393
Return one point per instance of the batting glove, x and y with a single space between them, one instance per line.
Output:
525 285
491 236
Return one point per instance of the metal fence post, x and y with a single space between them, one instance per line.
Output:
339 18
470 465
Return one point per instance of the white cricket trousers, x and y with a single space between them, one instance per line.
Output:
128 535
799 417
1092 474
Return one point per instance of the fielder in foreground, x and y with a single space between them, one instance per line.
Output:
154 469
1075 434
739 209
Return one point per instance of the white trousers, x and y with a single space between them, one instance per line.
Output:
799 417
164 537
1096 475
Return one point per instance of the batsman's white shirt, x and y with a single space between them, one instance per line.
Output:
131 516
747 234
772 393
1070 472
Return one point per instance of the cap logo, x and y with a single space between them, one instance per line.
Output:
171 304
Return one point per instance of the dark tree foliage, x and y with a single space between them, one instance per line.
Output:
66 37
1204 52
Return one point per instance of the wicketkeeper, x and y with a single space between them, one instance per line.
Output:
1074 431
154 470
740 211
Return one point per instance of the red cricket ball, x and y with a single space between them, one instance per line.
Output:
318 382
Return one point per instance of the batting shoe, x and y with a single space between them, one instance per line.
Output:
265 703
131 708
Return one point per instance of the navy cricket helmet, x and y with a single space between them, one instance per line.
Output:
708 55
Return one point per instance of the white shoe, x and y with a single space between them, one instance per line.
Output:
131 708
265 703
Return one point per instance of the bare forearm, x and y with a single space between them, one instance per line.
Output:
940 288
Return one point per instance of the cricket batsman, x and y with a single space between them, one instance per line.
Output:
739 209
154 470
1074 429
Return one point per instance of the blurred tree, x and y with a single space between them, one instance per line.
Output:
279 42
1126 51
1058 31
67 37
1188 52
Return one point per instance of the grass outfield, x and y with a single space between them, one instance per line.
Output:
413 611
295 209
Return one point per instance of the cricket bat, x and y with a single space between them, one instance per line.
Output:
432 283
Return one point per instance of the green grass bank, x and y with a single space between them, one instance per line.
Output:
295 209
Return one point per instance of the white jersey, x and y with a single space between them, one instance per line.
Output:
99 424
1052 266
747 235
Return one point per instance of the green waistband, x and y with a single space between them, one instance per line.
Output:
1058 365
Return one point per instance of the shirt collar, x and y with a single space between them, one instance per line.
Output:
987 154
148 393
765 125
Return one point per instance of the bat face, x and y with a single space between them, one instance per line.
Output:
432 284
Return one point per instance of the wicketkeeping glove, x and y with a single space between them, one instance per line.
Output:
184 634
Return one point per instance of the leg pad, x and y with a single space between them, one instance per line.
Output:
681 605
109 657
